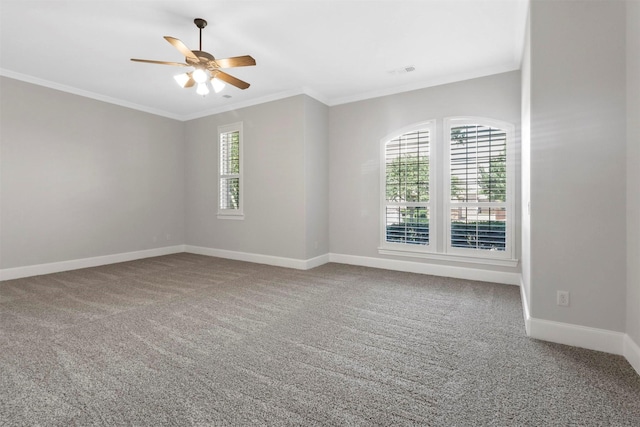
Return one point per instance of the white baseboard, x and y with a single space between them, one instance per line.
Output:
298 264
56 267
433 269
631 351
317 261
525 308
570 334
577 335
546 330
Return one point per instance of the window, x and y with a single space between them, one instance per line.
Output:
472 207
230 172
407 189
480 201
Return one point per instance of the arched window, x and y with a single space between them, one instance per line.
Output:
479 196
455 182
406 188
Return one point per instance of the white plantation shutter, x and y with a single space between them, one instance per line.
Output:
479 187
406 189
457 184
230 170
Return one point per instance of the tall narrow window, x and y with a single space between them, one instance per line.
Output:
480 204
406 198
230 172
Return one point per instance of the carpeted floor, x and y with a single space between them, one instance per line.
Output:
192 340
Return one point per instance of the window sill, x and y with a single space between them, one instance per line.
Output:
228 216
500 262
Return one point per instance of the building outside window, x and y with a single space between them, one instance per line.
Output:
472 209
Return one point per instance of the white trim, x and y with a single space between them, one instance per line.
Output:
232 213
87 94
317 261
230 216
509 205
501 262
330 102
450 78
631 351
183 118
577 335
298 264
431 128
563 333
56 267
258 101
525 308
433 269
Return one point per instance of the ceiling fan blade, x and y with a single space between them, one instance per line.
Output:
190 82
231 80
177 64
182 48
237 61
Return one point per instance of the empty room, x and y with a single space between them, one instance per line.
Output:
320 212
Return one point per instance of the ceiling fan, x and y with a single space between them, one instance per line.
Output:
207 68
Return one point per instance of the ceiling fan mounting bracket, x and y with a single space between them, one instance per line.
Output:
200 23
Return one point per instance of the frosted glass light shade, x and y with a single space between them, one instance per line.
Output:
182 79
200 75
202 89
218 85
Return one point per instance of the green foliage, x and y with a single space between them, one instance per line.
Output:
407 178
231 166
493 180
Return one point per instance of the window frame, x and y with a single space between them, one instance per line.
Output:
237 214
439 248
509 204
429 126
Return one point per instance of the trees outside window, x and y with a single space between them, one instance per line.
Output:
230 171
476 181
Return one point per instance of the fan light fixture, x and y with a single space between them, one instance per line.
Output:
217 85
202 89
200 75
182 79
206 67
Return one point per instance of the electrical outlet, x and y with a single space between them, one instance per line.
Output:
562 298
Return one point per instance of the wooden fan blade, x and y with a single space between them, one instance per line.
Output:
237 61
231 80
176 64
182 48
190 82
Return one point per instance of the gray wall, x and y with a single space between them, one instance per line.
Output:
82 178
355 133
633 170
276 186
578 207
316 176
525 109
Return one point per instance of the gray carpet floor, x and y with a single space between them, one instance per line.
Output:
193 340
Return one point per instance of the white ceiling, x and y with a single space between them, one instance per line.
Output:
335 51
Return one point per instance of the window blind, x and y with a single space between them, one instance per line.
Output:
229 170
407 188
478 183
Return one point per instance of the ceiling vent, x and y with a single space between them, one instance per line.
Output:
403 70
